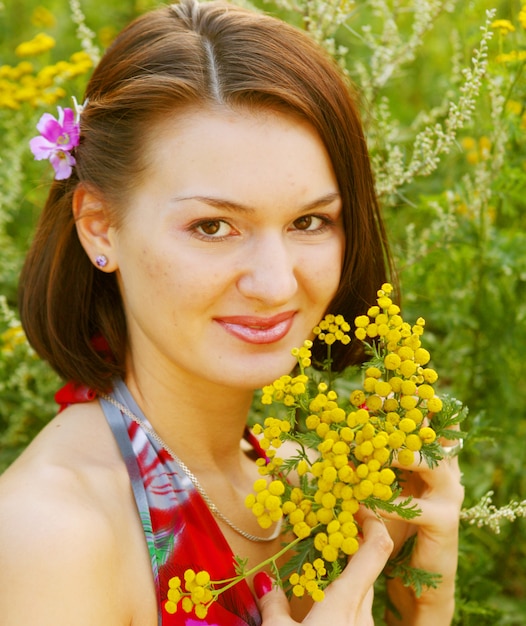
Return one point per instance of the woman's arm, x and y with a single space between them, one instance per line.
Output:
57 565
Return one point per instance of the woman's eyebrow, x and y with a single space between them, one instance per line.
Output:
237 207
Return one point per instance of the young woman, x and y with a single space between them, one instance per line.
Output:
220 203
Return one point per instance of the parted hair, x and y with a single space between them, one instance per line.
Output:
172 58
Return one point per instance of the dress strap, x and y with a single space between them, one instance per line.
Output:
120 432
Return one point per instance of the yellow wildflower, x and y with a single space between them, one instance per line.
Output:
514 107
43 18
38 45
504 26
11 338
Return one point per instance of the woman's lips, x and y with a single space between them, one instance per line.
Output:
258 330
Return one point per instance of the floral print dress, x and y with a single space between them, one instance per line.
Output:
180 530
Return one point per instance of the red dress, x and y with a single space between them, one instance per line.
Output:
179 529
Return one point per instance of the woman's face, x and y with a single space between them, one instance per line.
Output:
231 247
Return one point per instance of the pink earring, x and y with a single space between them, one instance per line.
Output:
101 261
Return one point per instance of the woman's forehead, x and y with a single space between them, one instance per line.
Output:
213 152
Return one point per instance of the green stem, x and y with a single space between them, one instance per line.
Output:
514 83
233 581
329 364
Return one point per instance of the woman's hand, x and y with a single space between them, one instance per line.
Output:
438 493
348 600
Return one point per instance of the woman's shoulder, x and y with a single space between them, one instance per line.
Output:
71 459
58 506
72 472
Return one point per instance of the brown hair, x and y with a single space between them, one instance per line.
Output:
188 54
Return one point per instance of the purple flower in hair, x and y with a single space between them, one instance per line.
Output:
56 141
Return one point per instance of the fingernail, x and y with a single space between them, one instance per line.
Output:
262 584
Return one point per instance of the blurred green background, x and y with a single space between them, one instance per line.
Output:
445 111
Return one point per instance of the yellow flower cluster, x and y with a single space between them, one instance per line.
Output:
266 502
287 388
349 444
346 448
333 328
515 56
514 107
309 580
504 26
195 594
43 18
38 45
11 338
24 83
273 428
398 393
272 431
476 151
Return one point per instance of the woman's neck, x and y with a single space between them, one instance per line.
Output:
195 418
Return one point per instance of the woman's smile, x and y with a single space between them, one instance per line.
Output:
258 330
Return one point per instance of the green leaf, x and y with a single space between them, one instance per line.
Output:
415 577
240 565
452 414
304 552
407 509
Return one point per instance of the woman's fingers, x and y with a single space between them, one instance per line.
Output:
435 491
273 603
348 600
367 564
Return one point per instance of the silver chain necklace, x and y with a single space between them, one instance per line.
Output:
193 478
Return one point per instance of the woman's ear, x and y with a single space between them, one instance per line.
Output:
94 228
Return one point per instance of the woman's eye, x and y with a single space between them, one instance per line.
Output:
213 229
210 228
309 222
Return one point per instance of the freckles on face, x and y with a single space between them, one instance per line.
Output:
154 267
165 280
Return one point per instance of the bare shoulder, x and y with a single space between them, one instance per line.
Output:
58 504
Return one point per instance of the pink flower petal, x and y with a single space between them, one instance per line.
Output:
51 129
41 147
62 163
43 121
71 128
58 138
67 118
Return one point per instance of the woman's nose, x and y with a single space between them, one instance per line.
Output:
269 271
